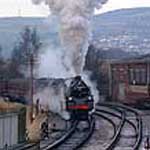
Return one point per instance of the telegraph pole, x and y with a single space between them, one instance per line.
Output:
31 85
148 77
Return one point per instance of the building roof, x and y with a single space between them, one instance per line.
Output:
9 107
139 59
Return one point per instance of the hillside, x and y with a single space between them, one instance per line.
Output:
10 29
127 29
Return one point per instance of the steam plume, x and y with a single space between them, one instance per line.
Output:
74 19
74 32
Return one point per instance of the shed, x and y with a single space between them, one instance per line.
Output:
12 124
130 80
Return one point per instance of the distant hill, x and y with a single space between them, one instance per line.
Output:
131 21
10 29
127 29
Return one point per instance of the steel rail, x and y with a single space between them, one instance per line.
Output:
139 126
62 142
116 137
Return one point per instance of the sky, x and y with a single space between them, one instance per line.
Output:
10 8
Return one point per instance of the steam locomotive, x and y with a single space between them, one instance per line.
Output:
79 100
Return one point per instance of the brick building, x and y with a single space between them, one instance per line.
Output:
130 80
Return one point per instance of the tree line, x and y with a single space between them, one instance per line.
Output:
24 51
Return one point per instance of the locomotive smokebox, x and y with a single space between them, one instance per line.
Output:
79 100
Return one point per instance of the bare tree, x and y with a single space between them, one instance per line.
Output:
25 51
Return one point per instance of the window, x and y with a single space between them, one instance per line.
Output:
143 76
137 76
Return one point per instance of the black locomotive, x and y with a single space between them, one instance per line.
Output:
79 100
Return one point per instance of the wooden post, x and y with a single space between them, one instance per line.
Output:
37 107
110 78
148 78
31 85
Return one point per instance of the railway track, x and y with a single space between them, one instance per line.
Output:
121 119
127 122
25 146
101 137
73 139
117 128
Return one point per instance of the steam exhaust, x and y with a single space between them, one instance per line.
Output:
75 33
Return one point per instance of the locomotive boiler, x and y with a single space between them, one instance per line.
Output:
79 100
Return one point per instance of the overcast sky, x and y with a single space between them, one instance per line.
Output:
26 8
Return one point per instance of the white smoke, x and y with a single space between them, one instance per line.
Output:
86 77
51 64
52 97
74 32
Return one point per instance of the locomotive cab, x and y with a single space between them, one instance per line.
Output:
79 100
